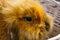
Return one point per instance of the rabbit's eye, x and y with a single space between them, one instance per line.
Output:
29 19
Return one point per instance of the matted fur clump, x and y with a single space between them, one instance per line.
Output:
24 20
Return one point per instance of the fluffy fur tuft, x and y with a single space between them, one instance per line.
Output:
27 19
